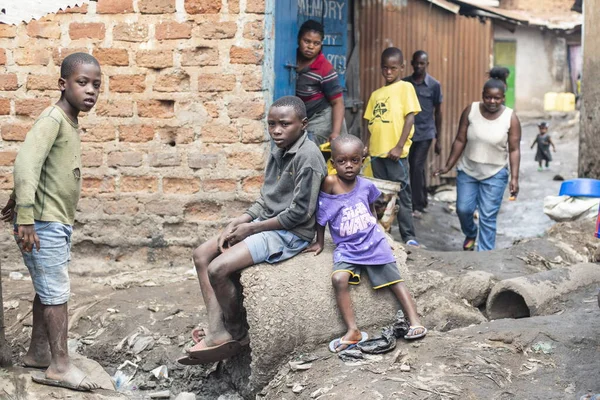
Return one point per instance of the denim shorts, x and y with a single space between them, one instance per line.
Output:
274 246
49 266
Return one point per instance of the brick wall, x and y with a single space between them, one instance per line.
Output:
540 6
177 142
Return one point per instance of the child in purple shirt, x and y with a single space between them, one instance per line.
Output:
346 203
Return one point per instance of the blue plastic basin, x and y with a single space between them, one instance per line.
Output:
580 188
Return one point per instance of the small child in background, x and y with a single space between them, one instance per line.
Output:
346 203
543 142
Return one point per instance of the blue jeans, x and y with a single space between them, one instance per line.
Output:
485 195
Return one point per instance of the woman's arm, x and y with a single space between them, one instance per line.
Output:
459 143
514 153
337 118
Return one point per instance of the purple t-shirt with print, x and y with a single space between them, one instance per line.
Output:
358 238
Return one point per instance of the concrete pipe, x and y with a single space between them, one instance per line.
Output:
534 294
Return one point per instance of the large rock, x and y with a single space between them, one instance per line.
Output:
291 308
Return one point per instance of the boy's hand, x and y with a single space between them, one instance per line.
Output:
514 187
240 232
28 238
316 247
333 136
222 242
395 154
8 212
437 148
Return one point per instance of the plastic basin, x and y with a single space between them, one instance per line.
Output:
580 188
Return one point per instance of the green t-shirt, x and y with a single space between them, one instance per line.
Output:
47 171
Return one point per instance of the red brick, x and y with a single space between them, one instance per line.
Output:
96 185
254 30
213 133
155 59
43 29
42 82
125 159
111 56
2 57
7 158
15 132
130 32
181 185
91 158
6 182
86 30
156 108
31 56
252 109
114 108
74 10
202 6
166 207
255 6
31 107
202 211
202 161
173 136
156 6
246 160
213 109
173 30
200 55
254 132
178 81
217 30
136 133
59 53
234 6
4 106
253 184
165 159
245 55
126 206
99 133
127 83
219 185
146 184
8 31
114 6
252 81
216 82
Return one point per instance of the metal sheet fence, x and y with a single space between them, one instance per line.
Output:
460 51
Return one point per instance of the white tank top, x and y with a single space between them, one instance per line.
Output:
486 152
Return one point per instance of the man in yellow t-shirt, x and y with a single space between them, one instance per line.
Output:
391 114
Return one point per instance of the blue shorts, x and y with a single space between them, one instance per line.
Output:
49 266
274 246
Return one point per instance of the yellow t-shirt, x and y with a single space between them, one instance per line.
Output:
386 111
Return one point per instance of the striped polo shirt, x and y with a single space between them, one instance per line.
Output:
317 85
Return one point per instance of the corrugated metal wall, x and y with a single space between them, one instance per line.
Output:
460 50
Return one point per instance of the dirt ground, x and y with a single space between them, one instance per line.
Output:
144 315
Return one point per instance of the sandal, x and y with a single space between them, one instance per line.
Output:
411 332
469 244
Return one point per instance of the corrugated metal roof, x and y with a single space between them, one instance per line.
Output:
18 11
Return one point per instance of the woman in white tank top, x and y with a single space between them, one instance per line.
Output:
487 142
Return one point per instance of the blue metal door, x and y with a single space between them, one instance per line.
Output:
286 42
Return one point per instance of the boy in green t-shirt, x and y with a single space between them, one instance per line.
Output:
47 176
391 114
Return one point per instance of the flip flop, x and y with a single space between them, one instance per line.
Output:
411 335
335 343
469 244
200 354
40 377
198 334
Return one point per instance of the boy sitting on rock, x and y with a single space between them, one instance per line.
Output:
279 225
